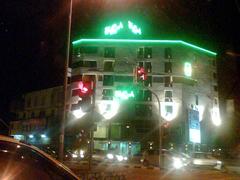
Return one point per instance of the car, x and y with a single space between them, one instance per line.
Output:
171 159
19 160
204 159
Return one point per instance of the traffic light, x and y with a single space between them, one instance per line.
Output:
141 74
82 96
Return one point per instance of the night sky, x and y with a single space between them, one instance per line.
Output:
33 33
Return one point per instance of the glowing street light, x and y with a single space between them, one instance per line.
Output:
78 113
43 136
109 109
31 136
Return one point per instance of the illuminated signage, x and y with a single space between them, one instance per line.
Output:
116 27
194 126
188 69
113 29
123 94
134 28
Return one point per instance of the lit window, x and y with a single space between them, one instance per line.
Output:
187 69
168 67
168 96
145 52
196 99
168 81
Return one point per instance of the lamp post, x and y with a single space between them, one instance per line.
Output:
160 128
65 83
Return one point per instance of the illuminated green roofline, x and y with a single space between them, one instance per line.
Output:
144 41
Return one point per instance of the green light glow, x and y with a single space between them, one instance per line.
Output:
134 28
110 30
188 69
142 42
123 94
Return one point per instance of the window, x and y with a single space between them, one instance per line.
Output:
168 109
148 67
148 81
108 66
196 99
168 96
107 94
168 53
215 88
147 95
168 81
80 51
88 64
108 80
145 52
168 67
215 101
100 77
109 52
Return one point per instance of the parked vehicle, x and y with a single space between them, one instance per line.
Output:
170 159
22 161
203 159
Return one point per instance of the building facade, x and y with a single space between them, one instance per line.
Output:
37 117
183 76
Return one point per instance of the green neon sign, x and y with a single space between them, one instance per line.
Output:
134 28
110 30
144 42
115 28
124 95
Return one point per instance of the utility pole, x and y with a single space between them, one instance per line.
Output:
160 129
65 84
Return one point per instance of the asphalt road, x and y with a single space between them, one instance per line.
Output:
111 171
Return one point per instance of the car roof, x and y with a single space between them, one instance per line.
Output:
12 140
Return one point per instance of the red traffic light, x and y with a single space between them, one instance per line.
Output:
141 73
83 87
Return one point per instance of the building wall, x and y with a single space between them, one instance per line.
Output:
185 89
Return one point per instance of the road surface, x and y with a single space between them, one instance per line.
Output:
137 172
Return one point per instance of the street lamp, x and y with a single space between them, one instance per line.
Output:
160 128
65 83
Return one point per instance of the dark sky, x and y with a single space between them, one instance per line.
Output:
33 33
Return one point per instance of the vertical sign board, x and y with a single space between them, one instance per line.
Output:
194 126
